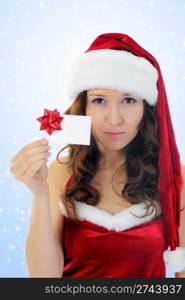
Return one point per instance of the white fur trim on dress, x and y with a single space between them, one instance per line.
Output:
119 222
114 69
175 260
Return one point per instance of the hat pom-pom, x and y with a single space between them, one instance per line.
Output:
175 260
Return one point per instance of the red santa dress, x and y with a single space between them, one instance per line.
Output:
119 245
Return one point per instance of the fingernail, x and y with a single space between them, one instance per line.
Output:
45 141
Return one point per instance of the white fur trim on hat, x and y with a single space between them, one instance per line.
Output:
114 69
175 260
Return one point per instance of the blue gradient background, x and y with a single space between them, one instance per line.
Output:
38 41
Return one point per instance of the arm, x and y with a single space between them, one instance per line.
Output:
182 221
43 249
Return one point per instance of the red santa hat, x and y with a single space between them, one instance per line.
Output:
116 61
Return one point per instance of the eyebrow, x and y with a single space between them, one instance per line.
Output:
126 94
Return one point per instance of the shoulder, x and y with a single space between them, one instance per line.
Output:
59 172
58 175
58 165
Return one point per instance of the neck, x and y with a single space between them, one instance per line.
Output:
111 160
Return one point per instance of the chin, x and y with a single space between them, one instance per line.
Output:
114 147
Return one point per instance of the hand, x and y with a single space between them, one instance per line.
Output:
29 166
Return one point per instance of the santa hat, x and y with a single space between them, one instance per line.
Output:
116 61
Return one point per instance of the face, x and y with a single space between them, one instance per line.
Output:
115 117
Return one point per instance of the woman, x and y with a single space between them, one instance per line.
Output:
107 227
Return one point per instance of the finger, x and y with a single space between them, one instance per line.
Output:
25 156
33 169
29 146
29 174
37 150
21 167
34 154
40 142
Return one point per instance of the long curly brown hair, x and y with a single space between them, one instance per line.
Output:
141 163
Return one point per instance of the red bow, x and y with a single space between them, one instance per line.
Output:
50 121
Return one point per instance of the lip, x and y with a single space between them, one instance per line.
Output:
114 133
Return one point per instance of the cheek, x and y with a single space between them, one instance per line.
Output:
135 118
90 109
140 116
96 124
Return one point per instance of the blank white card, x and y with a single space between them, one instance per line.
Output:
75 130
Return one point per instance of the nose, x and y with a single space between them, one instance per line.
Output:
113 116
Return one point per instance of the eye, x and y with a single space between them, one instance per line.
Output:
97 99
129 100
